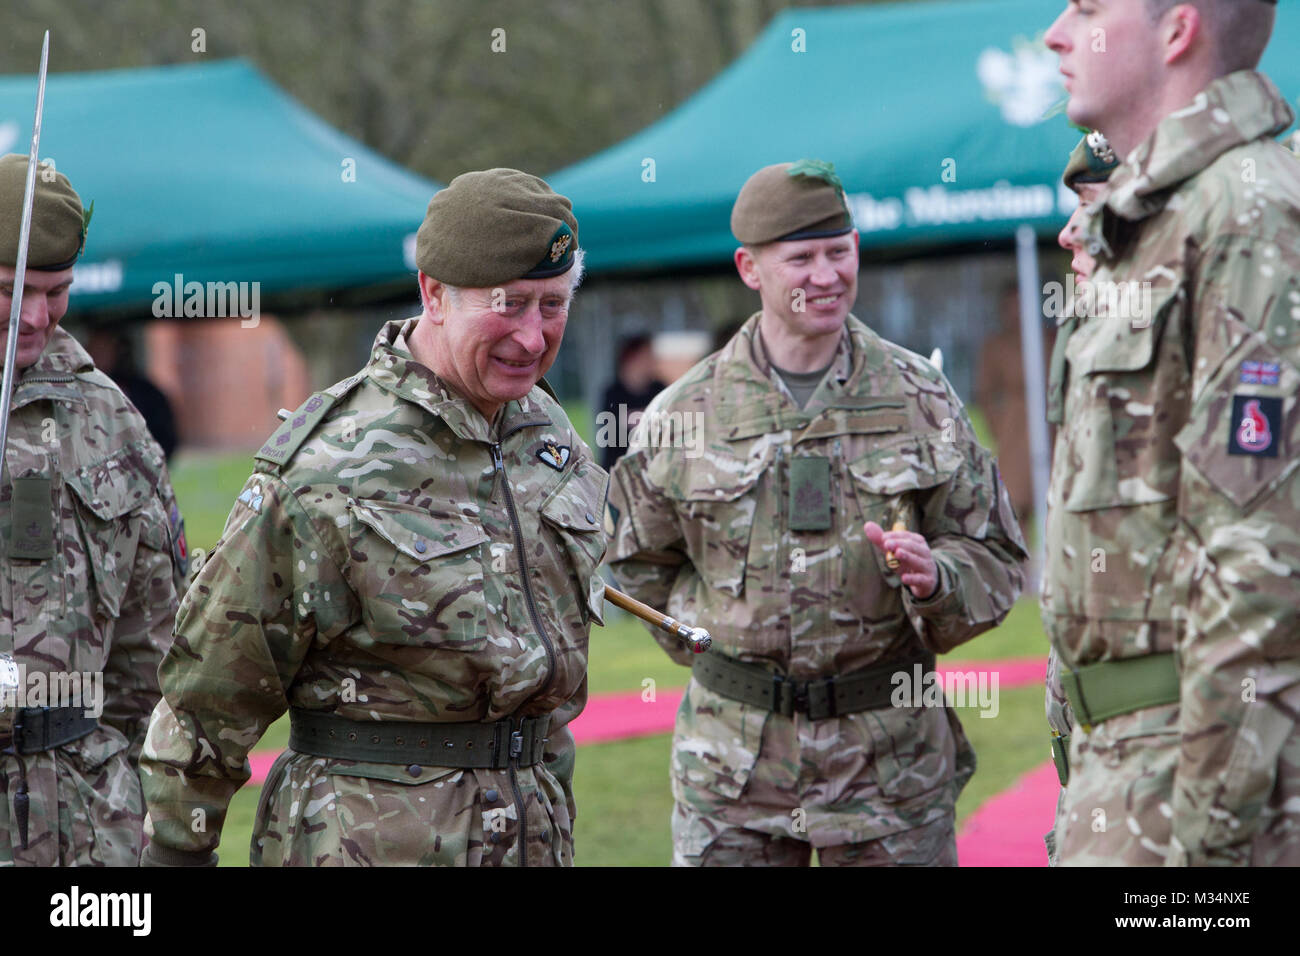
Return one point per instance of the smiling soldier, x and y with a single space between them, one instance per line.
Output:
816 432
1173 557
411 572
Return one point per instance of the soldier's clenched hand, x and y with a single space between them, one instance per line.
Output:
916 567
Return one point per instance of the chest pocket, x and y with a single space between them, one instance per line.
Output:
574 511
419 575
1123 388
890 484
719 502
887 479
108 501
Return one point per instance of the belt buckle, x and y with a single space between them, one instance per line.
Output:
801 697
783 695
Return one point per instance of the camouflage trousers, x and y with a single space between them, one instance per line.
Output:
873 788
85 805
316 811
933 844
1049 838
1117 809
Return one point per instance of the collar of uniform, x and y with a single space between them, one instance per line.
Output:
1234 109
53 375
393 368
750 400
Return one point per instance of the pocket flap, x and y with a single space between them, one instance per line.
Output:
114 486
906 466
718 479
1124 338
578 502
418 534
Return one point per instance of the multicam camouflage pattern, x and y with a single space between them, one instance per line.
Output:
377 573
708 537
1199 546
1116 807
1060 718
103 603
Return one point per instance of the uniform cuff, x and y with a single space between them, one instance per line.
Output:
156 854
944 594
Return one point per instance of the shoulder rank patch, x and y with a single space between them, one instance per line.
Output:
1254 425
286 439
557 456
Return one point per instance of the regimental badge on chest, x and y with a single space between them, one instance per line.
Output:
557 456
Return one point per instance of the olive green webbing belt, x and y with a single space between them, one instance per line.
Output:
511 741
819 698
1099 692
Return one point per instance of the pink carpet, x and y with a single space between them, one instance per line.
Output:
1008 829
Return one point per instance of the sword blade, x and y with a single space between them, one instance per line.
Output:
20 267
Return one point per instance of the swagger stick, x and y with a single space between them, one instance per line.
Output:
696 638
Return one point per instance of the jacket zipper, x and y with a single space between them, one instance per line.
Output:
500 468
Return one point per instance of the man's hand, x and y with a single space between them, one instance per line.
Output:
916 567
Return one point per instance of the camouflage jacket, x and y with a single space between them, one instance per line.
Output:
704 522
703 517
394 557
93 560
1173 503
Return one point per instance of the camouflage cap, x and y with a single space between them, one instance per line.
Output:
58 223
789 201
1091 162
495 226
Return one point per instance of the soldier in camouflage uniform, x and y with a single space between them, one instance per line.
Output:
1172 583
92 561
752 502
1089 167
411 571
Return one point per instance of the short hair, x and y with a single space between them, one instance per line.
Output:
1237 30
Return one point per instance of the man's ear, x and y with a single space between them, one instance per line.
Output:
747 266
433 296
1180 30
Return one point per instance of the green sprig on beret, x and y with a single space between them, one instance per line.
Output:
494 226
58 232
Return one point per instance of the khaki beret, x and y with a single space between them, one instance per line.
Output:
495 226
58 224
1092 161
789 201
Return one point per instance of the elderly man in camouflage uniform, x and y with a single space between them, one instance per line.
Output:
1089 167
752 503
1173 565
411 571
93 557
